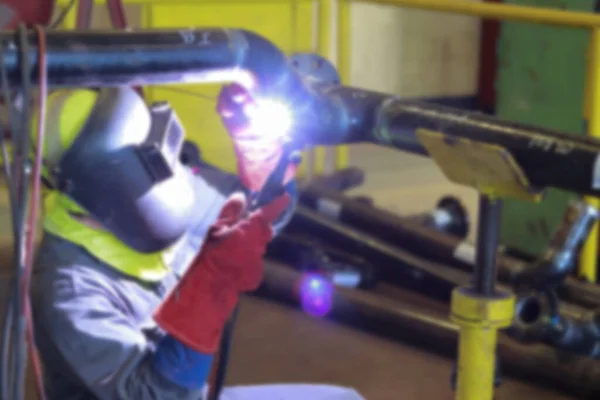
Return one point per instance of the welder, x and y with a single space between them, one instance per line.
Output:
143 258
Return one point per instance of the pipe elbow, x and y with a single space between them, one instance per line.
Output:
319 118
550 270
264 61
536 316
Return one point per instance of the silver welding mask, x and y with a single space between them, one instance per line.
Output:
124 169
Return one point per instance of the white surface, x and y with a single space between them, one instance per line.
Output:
414 53
406 184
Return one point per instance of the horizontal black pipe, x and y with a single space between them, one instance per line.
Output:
427 243
395 265
331 115
310 255
548 158
391 264
419 326
99 58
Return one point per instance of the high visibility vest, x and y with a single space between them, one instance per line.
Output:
100 243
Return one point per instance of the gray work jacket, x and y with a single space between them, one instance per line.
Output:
93 324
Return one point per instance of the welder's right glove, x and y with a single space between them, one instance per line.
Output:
230 263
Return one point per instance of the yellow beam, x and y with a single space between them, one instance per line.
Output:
505 12
588 260
178 2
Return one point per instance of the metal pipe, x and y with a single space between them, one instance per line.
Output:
324 115
307 255
421 327
488 233
559 258
537 319
395 265
98 58
548 158
504 12
449 215
427 243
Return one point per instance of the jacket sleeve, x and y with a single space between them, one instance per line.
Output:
85 326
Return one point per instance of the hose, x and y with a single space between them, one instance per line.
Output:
22 178
18 337
33 213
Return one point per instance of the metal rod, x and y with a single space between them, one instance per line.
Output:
324 115
427 243
488 233
397 266
548 158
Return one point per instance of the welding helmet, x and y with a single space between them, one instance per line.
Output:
118 160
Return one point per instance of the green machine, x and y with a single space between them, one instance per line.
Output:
540 80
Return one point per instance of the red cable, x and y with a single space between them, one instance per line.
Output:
117 13
33 211
84 14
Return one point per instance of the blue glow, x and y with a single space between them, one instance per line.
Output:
316 295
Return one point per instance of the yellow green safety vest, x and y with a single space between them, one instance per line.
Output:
101 244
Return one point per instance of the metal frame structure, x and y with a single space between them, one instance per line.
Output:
505 12
480 309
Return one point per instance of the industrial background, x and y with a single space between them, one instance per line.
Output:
518 71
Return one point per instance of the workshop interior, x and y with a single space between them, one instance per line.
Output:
444 241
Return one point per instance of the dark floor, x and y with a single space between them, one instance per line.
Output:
274 343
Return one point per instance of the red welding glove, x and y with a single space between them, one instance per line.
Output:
229 264
257 153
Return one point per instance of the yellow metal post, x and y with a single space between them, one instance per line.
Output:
589 253
478 319
344 44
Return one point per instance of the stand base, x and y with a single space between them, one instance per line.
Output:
479 319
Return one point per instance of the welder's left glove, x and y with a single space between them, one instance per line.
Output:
229 264
258 153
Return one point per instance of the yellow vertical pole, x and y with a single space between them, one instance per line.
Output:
323 48
589 253
344 43
479 318
324 29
